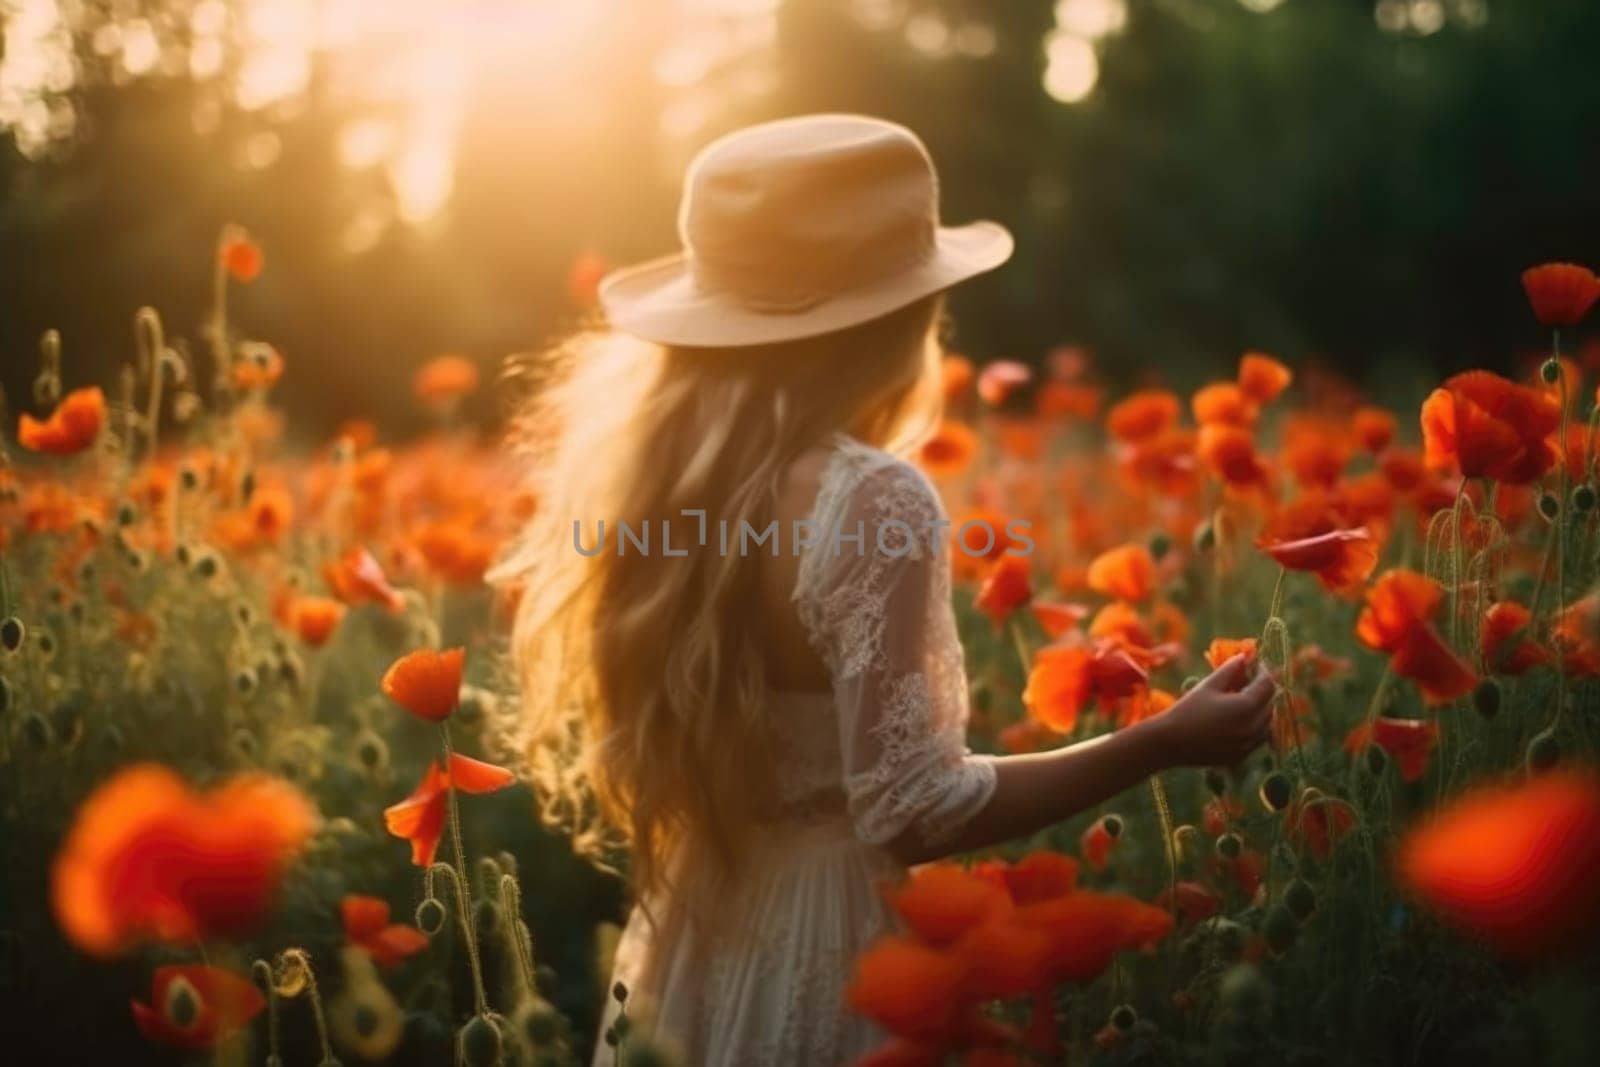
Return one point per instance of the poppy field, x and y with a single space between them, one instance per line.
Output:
263 807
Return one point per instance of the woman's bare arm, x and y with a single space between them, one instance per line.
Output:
1218 722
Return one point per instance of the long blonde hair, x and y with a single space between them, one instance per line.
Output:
642 676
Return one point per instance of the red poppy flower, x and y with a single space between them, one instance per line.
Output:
454 550
1006 588
1193 901
1262 378
367 926
1224 403
1066 678
1056 618
1163 463
1490 428
1219 814
1127 572
356 577
1222 649
1087 930
241 258
193 1007
1316 449
1574 635
949 451
1403 468
314 618
1410 742
259 369
71 427
420 817
1397 620
1317 824
908 988
998 380
940 902
1517 865
1374 429
1230 454
1040 875
1308 535
1096 844
1507 645
1067 400
427 683
1142 416
148 858
1561 293
445 379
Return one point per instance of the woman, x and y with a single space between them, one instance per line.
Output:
773 715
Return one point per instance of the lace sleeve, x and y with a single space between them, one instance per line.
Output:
878 609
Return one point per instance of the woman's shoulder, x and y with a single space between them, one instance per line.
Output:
880 484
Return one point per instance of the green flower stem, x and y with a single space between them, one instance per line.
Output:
463 890
261 970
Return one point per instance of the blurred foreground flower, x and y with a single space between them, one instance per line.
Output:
148 858
367 927
1518 866
71 427
194 1007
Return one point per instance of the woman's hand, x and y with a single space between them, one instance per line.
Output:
1221 720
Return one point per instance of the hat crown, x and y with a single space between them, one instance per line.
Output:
781 216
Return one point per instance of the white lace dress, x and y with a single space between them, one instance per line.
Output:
882 752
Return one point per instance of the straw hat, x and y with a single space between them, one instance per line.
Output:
796 228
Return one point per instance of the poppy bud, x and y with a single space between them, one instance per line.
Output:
1544 752
47 644
1549 506
247 485
244 743
1112 824
182 555
372 751
1583 498
611 1037
1550 371
182 1005
479 1043
126 514
188 478
1160 545
36 728
291 973
206 564
1205 537
1123 1016
541 1023
1486 698
1216 781
430 916
1229 846
486 919
136 560
1300 899
619 993
244 681
1189 683
244 613
1186 839
12 633
1276 790
1280 929
622 1025
1242 990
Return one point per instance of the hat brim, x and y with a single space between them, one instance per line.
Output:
659 300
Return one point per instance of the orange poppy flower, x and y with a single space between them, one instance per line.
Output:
1307 535
1374 429
241 257
445 380
419 818
1507 646
1097 842
1490 428
583 278
1574 635
1003 959
71 427
1318 824
259 369
1087 930
940 902
1224 403
1397 620
908 988
1058 619
367 926
1019 437
1262 378
1222 649
1067 400
1127 572
1142 704
1409 741
314 618
949 451
1142 416
1163 463
955 376
1066 678
270 513
356 577
1516 865
1005 589
148 858
1230 453
1561 293
998 380
1120 625
426 683
193 1007
1403 468
1316 449
454 551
